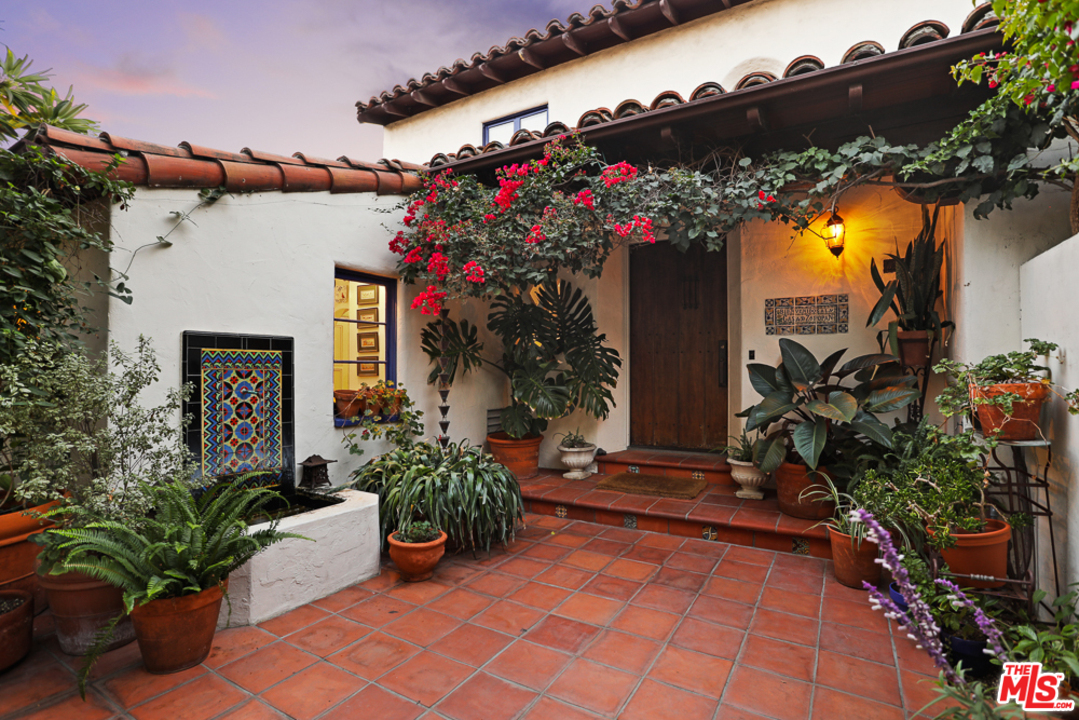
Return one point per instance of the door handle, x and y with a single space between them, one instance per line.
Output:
723 364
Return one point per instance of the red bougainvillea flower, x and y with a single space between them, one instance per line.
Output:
414 256
638 223
618 173
473 272
507 192
399 244
488 217
585 198
535 235
429 302
439 266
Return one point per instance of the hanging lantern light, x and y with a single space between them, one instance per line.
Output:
835 234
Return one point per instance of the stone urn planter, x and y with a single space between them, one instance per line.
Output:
417 561
749 477
577 459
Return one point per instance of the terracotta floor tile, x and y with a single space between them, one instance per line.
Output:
832 588
788 601
737 570
860 615
647 622
373 656
768 694
654 701
625 652
484 697
375 703
509 617
294 620
543 551
426 678
449 573
743 592
135 685
568 540
832 705
232 643
691 562
586 560
594 687
566 577
377 611
672 508
605 546
524 567
202 698
612 587
681 579
253 710
383 581
496 584
590 609
418 593
585 528
860 643
312 691
623 535
34 680
708 548
658 540
127 656
699 673
647 554
528 664
782 658
911 658
800 564
729 712
472 644
663 598
753 556
718 640
920 692
460 603
722 612
562 634
782 626
544 597
328 636
422 626
551 709
95 707
343 599
872 680
811 584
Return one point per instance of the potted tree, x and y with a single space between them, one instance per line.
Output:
552 355
576 454
416 549
820 422
174 569
912 296
742 457
1005 392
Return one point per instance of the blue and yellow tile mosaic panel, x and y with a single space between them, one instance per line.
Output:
807 315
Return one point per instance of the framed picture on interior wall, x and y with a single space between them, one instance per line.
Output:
340 292
367 315
367 369
367 294
367 342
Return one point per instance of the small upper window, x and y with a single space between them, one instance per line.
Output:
503 128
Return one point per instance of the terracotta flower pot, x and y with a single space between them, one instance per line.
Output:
1023 422
16 628
749 477
417 561
81 606
175 634
18 554
914 348
854 563
520 456
349 404
794 480
984 553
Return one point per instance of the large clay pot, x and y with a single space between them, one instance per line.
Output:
984 553
175 634
1023 422
854 563
520 456
16 628
794 480
18 554
914 347
749 477
81 606
417 561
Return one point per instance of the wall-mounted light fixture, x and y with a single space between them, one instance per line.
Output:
835 234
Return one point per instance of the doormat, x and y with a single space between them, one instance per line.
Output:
657 485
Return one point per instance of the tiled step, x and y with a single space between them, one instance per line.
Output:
716 514
704 466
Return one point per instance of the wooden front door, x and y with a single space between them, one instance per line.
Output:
678 347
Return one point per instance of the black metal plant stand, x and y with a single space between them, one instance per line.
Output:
444 380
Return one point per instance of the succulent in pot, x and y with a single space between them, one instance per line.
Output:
416 549
742 457
577 454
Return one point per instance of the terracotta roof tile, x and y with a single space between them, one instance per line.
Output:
195 166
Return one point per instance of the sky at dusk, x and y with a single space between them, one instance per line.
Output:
275 75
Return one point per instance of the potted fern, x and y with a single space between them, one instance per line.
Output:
173 569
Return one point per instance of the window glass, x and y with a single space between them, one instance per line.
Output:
503 129
363 329
536 121
501 132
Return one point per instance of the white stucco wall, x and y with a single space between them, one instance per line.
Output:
263 264
1047 285
724 47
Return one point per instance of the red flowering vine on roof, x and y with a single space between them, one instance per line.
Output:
439 266
473 272
619 172
507 193
638 223
585 198
535 235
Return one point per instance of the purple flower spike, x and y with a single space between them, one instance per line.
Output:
985 623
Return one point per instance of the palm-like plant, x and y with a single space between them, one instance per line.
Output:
554 358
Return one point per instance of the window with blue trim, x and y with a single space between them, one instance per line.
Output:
503 128
364 335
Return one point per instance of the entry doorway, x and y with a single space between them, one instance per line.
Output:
678 347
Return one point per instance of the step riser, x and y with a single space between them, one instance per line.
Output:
713 477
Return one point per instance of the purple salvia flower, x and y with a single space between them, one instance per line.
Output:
985 623
918 621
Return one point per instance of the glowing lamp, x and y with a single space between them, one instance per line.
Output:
834 234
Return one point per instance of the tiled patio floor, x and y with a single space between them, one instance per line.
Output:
576 621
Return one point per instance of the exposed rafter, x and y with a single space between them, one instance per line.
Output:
669 12
619 28
455 87
532 58
489 72
574 44
424 99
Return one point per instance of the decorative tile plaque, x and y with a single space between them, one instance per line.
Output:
807 315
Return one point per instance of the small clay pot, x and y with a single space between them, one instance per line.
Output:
854 563
1022 424
16 628
520 456
417 561
914 347
175 634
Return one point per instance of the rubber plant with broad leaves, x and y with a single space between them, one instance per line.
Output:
818 420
